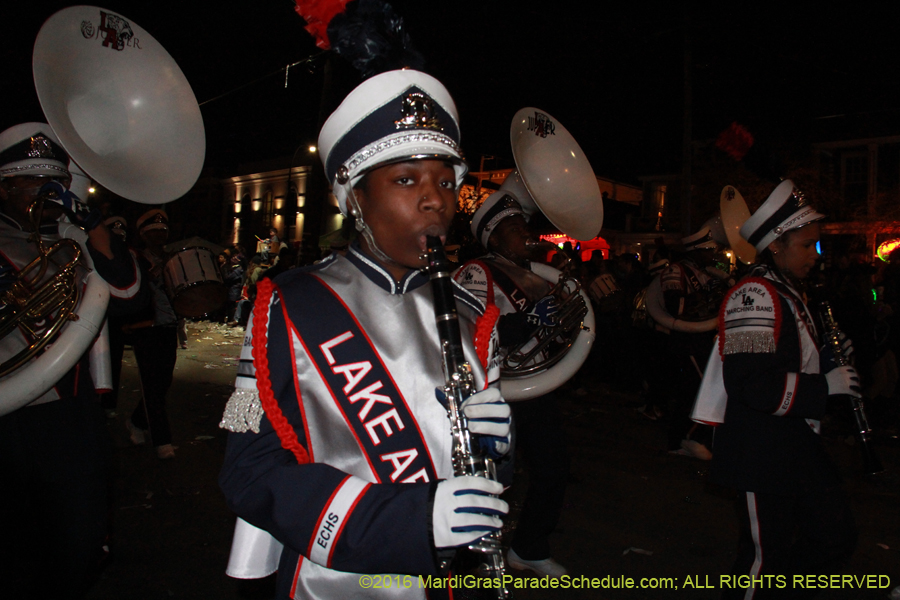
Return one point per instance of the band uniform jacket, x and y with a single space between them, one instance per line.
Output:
769 441
684 284
354 360
493 279
121 273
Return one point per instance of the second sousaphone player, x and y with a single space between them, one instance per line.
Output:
505 277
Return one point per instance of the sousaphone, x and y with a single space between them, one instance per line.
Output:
126 115
725 231
693 321
554 177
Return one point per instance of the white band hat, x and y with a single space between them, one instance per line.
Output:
785 209
497 207
153 219
711 235
700 240
391 117
33 150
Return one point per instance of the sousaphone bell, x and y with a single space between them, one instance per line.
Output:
554 177
735 213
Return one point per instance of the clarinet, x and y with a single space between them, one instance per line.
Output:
459 384
871 461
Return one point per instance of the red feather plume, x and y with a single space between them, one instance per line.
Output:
318 14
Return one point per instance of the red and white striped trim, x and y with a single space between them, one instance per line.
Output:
788 395
129 291
333 518
754 532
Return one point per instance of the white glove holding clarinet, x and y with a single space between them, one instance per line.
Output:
489 418
843 381
465 509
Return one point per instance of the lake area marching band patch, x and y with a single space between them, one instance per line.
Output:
750 318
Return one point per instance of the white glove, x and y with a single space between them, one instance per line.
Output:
843 381
465 509
489 418
487 413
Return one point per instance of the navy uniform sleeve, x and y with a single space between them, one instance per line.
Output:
333 518
128 290
761 369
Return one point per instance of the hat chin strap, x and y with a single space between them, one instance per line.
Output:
366 231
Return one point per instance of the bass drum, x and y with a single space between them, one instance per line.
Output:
570 347
194 283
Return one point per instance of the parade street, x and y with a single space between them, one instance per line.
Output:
637 523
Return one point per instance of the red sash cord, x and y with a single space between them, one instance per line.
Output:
483 328
280 424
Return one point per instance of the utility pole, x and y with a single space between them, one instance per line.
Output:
317 186
687 133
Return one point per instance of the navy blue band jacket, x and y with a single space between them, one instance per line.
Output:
769 441
345 477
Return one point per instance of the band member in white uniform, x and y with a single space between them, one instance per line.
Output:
795 518
54 451
341 449
503 278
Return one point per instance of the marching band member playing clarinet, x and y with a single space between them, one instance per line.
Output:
341 447
795 517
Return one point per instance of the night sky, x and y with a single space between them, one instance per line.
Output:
614 77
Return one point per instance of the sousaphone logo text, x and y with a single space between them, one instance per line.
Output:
114 31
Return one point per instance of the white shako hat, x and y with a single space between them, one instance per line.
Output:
155 218
391 117
497 207
700 240
32 149
117 224
785 209
711 236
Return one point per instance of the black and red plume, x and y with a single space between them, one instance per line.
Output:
366 33
318 14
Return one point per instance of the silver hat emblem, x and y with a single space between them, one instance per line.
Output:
418 112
